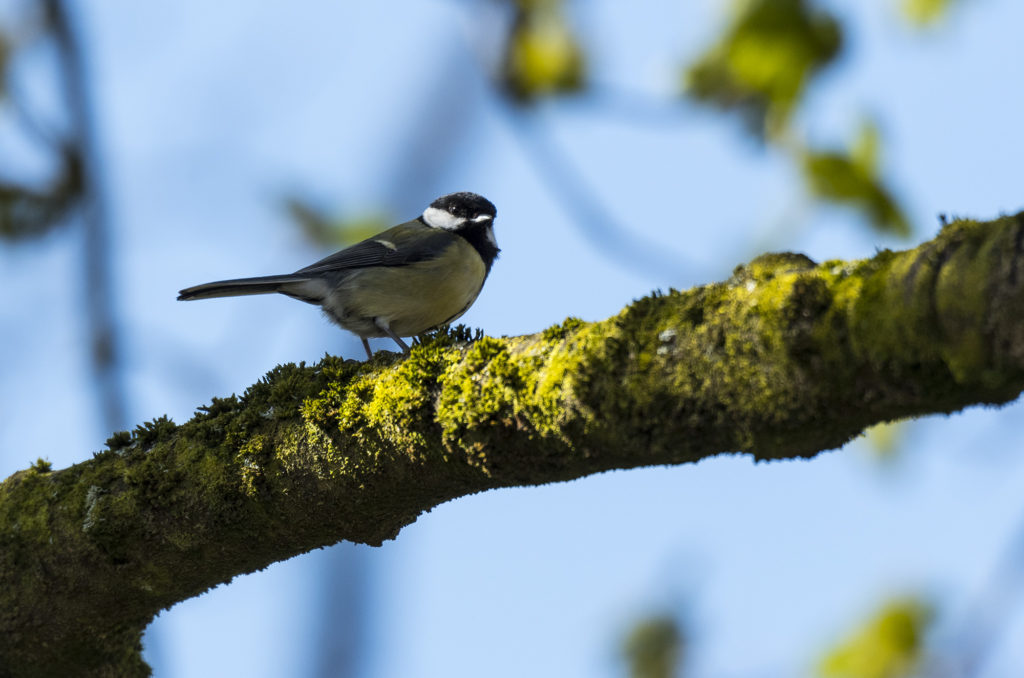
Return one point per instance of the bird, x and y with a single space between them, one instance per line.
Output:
406 280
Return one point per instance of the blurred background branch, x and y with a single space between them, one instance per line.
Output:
97 254
73 192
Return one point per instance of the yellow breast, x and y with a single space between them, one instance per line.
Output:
415 298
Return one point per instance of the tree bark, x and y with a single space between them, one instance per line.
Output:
785 359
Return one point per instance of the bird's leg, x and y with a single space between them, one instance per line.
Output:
366 345
383 325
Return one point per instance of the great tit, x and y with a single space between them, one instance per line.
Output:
399 283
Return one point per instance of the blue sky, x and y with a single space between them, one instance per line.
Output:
211 112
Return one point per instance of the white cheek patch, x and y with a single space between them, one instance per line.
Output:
481 217
439 218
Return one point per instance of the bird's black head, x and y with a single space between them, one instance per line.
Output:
456 210
471 216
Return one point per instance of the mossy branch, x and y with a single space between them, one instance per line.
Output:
783 360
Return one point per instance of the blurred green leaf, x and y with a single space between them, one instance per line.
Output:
865 149
852 179
654 648
329 231
542 56
925 12
888 646
764 61
886 439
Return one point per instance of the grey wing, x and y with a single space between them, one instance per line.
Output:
396 246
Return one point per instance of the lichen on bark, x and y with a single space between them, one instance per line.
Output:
784 359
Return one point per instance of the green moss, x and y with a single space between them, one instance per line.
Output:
448 335
251 459
480 390
966 266
149 433
562 330
767 266
42 465
119 440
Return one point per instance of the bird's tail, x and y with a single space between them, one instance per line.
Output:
269 284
